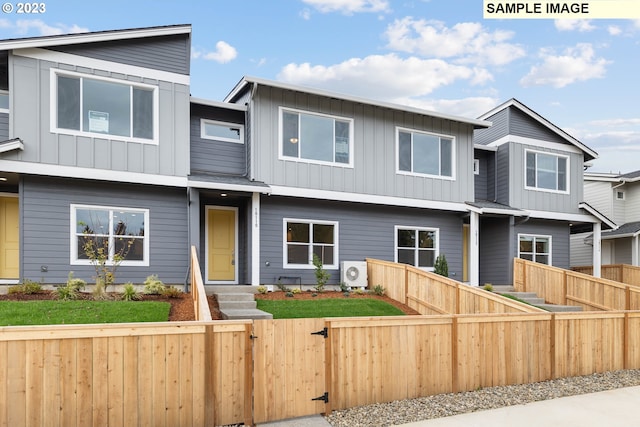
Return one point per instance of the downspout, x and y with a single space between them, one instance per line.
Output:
186 278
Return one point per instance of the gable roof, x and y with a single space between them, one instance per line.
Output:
612 177
96 36
589 153
247 82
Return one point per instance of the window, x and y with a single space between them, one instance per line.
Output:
316 138
535 248
476 167
417 246
221 131
546 171
99 107
122 232
303 239
425 153
619 195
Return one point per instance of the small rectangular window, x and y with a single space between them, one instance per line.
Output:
476 167
619 195
535 248
221 131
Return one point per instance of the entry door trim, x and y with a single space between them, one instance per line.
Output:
4 280
206 244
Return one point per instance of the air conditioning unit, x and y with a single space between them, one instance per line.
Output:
354 273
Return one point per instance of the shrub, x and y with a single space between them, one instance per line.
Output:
282 287
296 290
153 285
27 287
171 292
322 277
441 267
379 290
488 287
344 288
76 283
67 293
129 292
262 289
359 291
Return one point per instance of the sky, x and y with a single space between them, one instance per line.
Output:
441 55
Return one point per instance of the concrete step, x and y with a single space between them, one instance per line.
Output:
233 314
234 296
231 289
236 305
521 295
503 288
559 308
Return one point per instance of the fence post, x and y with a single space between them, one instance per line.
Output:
564 288
328 363
406 285
454 354
625 341
248 374
552 346
209 376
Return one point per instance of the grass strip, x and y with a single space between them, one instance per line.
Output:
19 313
332 307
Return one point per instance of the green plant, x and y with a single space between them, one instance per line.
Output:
67 292
359 291
441 267
74 282
282 287
344 287
262 289
379 290
322 276
129 292
171 292
153 285
296 290
488 287
289 294
27 287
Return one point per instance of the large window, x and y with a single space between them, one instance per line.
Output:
535 248
104 107
417 246
221 131
546 171
119 233
316 138
425 154
303 239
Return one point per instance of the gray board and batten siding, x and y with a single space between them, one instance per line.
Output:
30 121
365 231
373 152
217 157
45 209
4 126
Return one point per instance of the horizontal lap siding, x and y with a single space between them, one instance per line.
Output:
46 228
365 231
495 251
4 126
559 232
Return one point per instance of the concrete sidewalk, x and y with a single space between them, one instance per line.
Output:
613 408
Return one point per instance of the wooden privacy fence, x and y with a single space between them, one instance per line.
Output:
198 294
559 286
622 273
430 293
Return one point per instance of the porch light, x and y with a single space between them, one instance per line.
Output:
293 140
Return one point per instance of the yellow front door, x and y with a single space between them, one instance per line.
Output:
221 245
9 238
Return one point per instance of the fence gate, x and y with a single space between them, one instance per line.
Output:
288 368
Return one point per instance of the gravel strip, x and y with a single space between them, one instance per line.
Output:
444 405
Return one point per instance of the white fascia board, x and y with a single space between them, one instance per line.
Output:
100 36
603 219
564 216
206 185
484 147
307 193
219 104
535 143
319 92
510 212
15 144
90 173
99 64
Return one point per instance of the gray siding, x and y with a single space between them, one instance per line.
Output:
559 232
211 156
365 231
481 180
498 129
522 124
4 126
503 171
30 120
496 252
45 226
581 252
374 150
168 53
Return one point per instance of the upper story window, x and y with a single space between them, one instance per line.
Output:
120 233
547 172
424 153
316 138
476 167
100 107
221 131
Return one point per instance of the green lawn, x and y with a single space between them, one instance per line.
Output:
332 307
14 313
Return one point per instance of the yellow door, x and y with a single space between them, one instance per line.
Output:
465 253
221 245
9 238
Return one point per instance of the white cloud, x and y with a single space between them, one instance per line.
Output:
575 64
614 30
581 25
466 42
464 107
379 76
23 27
224 53
349 7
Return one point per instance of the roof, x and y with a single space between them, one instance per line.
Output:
489 207
630 229
248 81
612 177
96 36
591 154
227 183
218 104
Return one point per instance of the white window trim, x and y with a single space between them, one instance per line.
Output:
411 173
73 237
544 236
547 190
621 192
414 228
53 108
310 266
476 167
5 110
281 156
203 134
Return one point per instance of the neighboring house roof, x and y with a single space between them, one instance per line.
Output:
630 229
612 177
96 36
606 222
589 153
248 81
227 182
226 105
